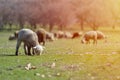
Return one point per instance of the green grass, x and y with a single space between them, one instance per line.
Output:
74 61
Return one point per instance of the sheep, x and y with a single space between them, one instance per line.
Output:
77 34
41 33
30 40
44 36
89 35
100 35
67 35
14 36
59 34
16 33
50 36
92 35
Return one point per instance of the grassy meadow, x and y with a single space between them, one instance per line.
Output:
73 60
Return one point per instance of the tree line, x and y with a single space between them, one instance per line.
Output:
60 13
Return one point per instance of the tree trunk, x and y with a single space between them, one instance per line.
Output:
21 21
82 25
1 23
1 26
50 28
61 28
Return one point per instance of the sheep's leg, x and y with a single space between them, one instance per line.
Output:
87 41
29 48
25 49
33 51
44 40
95 41
17 47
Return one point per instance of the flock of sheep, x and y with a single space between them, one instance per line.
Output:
35 41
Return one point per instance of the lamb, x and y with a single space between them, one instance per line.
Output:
92 35
30 40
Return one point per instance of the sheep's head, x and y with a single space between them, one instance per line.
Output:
38 49
83 41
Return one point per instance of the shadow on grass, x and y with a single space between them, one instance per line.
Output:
2 55
7 55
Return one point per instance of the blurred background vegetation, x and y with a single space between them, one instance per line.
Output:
59 14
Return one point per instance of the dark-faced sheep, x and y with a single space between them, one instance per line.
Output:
44 36
41 33
77 34
30 40
92 35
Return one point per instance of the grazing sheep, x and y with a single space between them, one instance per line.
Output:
14 36
59 34
30 40
68 35
92 35
100 35
77 34
43 36
41 33
50 36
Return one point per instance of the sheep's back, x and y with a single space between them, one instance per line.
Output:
41 33
27 36
100 35
90 35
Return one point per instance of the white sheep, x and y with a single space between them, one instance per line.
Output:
50 36
68 35
30 40
100 35
92 35
59 34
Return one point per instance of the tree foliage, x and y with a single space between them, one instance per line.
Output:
93 13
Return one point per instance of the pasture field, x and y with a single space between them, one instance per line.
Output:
72 60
